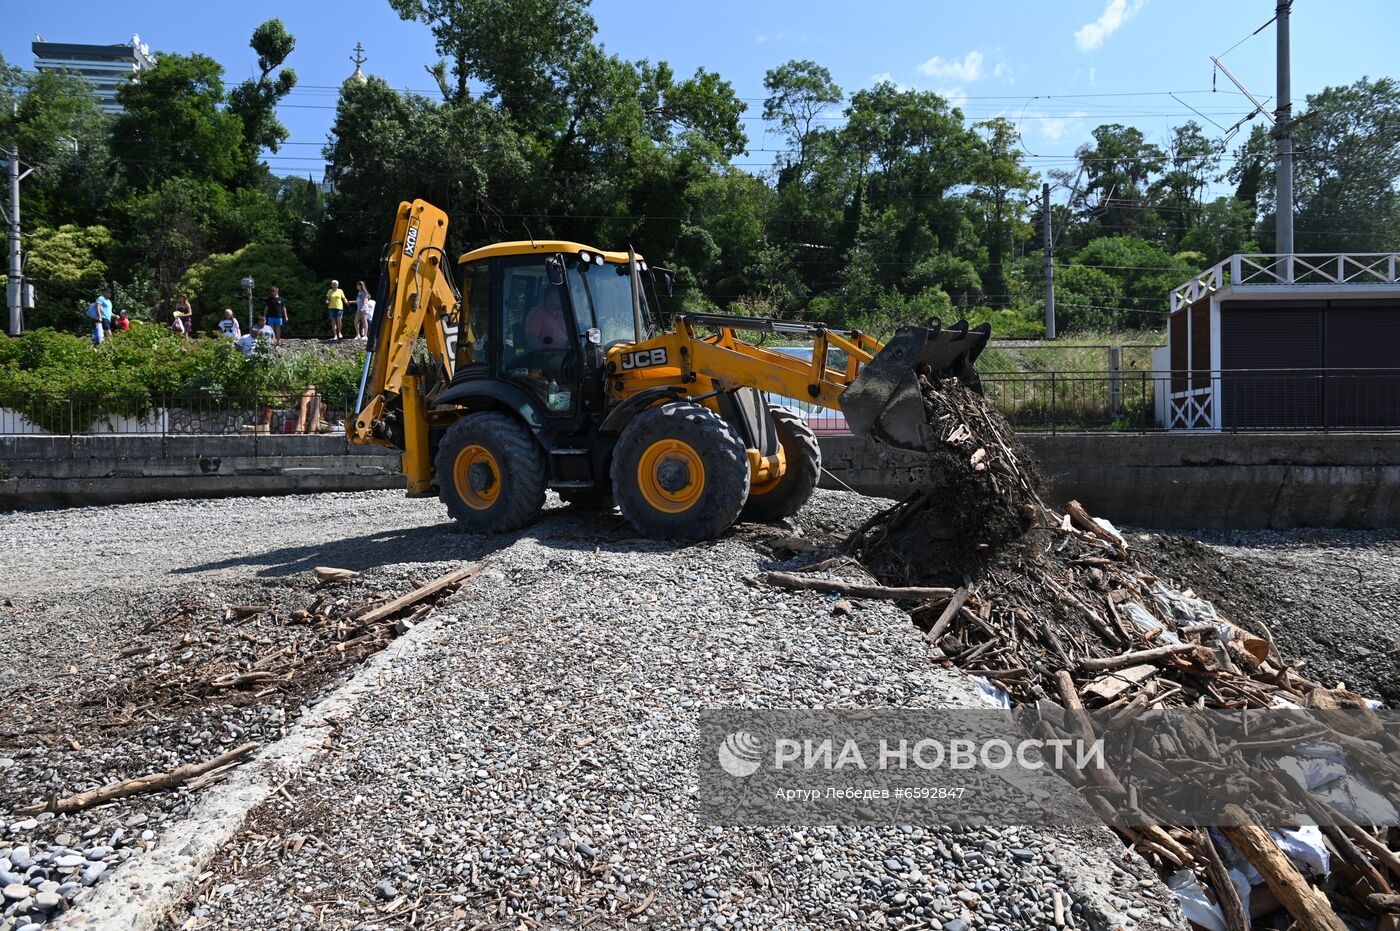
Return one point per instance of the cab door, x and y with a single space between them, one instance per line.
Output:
539 335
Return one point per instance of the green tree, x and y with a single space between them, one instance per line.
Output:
175 124
1002 189
54 119
520 52
255 101
213 284
799 92
1145 274
1192 163
68 267
1225 227
1117 169
1346 171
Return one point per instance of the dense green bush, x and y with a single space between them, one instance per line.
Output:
147 367
213 284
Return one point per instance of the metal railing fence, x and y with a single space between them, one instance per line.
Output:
1128 401
281 411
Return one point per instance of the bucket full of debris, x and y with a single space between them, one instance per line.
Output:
884 403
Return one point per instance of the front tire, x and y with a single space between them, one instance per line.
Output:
490 473
680 473
785 496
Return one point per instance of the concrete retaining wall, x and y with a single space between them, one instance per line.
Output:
1172 481
39 472
1206 481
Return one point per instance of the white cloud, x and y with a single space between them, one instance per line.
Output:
1055 128
886 77
1093 78
760 39
1001 70
956 96
968 69
1115 14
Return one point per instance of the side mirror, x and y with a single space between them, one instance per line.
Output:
555 266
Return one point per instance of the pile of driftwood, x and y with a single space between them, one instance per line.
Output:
344 632
263 649
1057 606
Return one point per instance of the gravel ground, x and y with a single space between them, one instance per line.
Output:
533 762
534 766
108 669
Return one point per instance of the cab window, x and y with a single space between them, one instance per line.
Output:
474 331
609 289
539 348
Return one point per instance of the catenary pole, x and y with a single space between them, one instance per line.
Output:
1283 133
14 289
1049 265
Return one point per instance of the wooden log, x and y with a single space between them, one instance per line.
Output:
1069 697
331 574
1081 518
855 589
1384 902
1308 907
1226 895
950 611
166 780
1094 664
1110 686
390 608
1348 851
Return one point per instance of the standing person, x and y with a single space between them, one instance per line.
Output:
229 325
101 311
335 308
362 308
275 310
185 311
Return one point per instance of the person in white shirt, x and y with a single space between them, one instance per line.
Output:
260 336
229 325
364 310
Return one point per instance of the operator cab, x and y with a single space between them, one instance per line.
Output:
541 316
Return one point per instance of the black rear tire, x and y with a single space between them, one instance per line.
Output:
680 472
803 455
490 473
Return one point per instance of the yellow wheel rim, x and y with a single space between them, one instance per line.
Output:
477 477
762 488
671 476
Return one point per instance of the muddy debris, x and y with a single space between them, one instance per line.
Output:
1058 607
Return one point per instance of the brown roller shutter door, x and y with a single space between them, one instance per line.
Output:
1362 353
1270 357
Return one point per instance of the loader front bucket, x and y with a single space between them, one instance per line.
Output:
884 402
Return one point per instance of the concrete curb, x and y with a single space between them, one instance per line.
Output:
149 885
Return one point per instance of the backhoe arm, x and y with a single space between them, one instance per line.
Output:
415 297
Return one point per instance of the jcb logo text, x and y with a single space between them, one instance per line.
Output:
643 359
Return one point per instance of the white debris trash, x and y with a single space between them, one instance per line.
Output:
998 697
1197 906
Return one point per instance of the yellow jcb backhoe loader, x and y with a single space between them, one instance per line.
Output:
551 368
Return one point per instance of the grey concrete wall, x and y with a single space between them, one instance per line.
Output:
1204 481
1172 481
39 472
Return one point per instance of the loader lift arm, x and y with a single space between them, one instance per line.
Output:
416 296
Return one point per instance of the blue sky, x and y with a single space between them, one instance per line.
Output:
1050 66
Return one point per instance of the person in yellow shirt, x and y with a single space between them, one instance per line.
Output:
335 308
